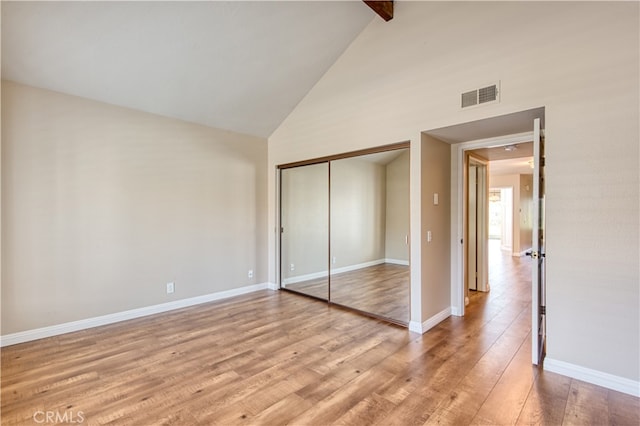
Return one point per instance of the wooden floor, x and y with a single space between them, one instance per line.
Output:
278 358
380 289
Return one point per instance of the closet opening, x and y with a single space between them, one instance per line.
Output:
344 231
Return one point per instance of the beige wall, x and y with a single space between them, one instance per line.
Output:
397 223
305 220
579 61
358 216
102 206
1 220
436 219
522 208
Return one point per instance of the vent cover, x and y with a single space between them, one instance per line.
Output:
480 96
470 98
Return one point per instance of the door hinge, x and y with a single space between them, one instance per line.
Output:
543 310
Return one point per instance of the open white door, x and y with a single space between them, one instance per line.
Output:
538 305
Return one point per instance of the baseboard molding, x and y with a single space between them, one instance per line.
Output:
595 377
272 286
431 322
306 277
397 262
68 327
323 274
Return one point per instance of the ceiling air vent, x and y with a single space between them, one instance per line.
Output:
480 96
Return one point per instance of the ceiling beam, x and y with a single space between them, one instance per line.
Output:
382 8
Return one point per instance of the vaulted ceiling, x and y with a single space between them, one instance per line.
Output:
241 66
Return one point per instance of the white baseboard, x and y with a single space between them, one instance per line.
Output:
431 322
68 327
397 262
357 266
323 274
609 381
306 277
272 286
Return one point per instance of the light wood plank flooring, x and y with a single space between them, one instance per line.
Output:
380 289
278 358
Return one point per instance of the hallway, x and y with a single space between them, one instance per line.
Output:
509 278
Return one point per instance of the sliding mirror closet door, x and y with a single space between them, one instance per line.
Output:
304 229
369 258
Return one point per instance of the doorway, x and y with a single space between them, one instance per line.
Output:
501 131
501 217
499 182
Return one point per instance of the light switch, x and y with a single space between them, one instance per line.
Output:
428 236
435 199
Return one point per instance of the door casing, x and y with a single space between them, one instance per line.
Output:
459 154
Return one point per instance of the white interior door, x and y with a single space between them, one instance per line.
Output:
538 304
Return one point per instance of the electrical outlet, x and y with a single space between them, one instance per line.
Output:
333 260
171 287
250 273
292 267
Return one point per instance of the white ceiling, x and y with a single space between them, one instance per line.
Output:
512 166
382 158
518 150
241 66
516 160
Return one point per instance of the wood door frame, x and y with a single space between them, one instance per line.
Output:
470 158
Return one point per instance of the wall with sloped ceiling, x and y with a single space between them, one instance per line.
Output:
579 61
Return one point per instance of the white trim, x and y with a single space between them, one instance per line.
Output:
306 277
457 204
397 261
609 381
68 327
417 327
272 286
357 266
349 268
